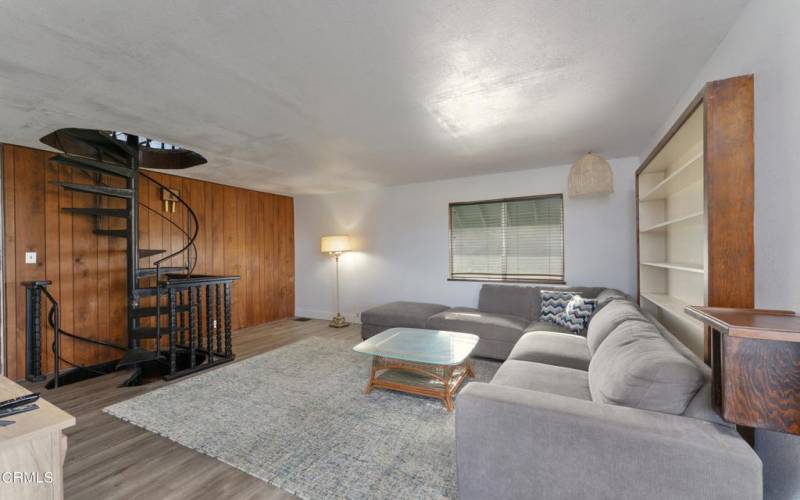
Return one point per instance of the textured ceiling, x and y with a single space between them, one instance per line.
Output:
318 96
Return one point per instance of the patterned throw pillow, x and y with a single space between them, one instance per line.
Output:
577 314
554 302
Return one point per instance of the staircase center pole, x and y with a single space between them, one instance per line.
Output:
133 235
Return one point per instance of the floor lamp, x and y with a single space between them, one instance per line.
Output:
336 246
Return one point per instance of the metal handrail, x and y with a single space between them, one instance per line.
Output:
157 263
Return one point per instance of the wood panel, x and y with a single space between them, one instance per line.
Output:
241 232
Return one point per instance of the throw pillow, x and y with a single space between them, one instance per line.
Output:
553 304
575 316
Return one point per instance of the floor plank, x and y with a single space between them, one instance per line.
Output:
111 459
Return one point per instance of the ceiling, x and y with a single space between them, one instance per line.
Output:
321 96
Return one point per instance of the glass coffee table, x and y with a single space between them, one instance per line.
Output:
430 363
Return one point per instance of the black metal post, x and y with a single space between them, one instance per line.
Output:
192 326
209 326
199 302
218 329
228 337
182 318
172 361
33 332
132 248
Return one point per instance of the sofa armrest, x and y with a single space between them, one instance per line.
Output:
514 443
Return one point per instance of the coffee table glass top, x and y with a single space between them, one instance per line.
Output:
416 345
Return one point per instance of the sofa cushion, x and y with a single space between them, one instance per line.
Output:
609 294
607 319
545 326
559 349
501 327
522 301
636 367
408 314
544 378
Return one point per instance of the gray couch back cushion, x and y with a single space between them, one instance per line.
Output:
636 367
609 294
607 319
522 301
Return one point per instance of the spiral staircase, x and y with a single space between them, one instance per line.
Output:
178 322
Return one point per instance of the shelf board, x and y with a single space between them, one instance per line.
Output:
671 305
677 266
688 174
663 225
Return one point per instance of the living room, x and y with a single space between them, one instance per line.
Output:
400 250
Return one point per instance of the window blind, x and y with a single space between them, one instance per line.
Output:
520 239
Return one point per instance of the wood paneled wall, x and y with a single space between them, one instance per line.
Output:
242 232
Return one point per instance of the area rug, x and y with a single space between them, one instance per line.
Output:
297 418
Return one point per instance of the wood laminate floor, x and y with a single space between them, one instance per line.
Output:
111 459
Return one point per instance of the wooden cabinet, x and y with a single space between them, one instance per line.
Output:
34 448
755 361
695 212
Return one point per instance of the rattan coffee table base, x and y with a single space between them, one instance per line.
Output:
436 381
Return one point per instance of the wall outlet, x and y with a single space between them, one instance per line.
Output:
215 324
30 257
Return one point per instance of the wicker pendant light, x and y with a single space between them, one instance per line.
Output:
590 175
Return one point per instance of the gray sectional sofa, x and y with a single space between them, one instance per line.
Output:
623 412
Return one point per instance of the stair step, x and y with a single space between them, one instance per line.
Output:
119 233
149 332
133 357
99 212
151 271
149 252
148 291
142 312
93 189
93 165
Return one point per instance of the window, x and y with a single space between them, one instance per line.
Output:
518 239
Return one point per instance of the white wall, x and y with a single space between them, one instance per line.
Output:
402 235
765 41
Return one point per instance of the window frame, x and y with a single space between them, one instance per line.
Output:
506 278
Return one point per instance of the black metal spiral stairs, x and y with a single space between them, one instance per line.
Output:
112 155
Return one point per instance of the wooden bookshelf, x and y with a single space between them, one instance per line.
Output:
695 211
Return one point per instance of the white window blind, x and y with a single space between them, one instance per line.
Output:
520 239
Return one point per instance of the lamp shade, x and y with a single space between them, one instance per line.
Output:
590 175
334 244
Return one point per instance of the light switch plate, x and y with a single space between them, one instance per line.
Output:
30 257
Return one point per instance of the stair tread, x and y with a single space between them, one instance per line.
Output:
94 165
151 271
95 189
151 310
149 252
135 356
149 332
103 212
120 233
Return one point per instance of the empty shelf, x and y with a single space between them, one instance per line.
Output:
671 305
663 225
689 268
688 174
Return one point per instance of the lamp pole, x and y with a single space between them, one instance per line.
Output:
338 321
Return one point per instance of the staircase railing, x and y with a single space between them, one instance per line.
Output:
33 352
186 297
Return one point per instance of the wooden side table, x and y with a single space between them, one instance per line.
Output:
755 363
34 445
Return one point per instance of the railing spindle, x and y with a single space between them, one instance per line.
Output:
209 326
192 326
218 329
228 338
172 326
